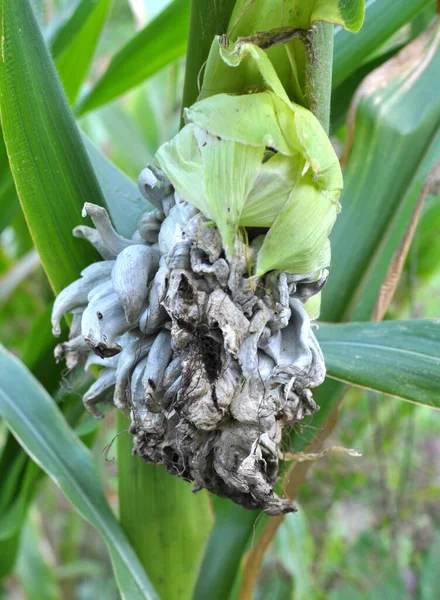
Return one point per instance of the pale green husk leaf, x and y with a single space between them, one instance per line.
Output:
259 160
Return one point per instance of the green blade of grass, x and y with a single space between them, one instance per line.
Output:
369 286
159 43
41 429
53 175
396 119
66 23
399 358
126 146
33 567
73 61
227 544
20 476
382 19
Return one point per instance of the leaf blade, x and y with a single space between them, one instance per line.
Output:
159 43
171 535
382 19
398 110
399 358
74 60
52 173
349 15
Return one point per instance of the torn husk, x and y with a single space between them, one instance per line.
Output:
200 334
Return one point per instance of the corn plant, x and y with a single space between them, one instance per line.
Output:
222 304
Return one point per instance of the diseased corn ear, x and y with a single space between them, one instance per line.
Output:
202 320
212 364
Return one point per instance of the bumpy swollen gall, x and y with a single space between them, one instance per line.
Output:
201 322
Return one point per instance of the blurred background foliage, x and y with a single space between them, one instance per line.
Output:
367 527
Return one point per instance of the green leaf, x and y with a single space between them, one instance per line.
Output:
112 128
159 43
396 118
370 283
399 358
68 20
74 61
382 19
146 109
298 240
20 482
342 95
428 241
19 475
41 429
52 172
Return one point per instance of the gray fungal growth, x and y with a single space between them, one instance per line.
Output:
210 363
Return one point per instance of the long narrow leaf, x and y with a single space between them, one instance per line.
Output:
41 429
229 539
121 136
400 358
382 19
396 118
371 293
74 61
67 22
159 43
52 172
33 567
